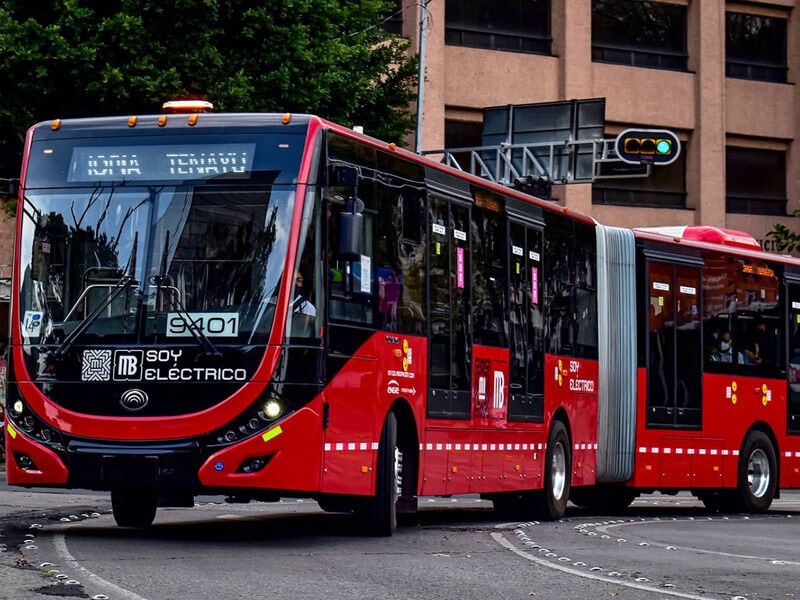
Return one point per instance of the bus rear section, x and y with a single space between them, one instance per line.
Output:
698 385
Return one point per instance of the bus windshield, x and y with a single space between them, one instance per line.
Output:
140 261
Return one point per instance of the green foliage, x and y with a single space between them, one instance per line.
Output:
74 58
788 240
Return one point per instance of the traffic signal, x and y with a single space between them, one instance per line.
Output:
653 146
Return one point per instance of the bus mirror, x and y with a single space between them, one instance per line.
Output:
350 225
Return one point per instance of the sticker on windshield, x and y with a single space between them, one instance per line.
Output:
223 324
32 323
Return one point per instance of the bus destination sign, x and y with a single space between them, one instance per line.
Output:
157 163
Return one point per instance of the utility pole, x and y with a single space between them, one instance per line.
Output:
423 33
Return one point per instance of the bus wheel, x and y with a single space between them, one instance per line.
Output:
134 507
758 473
557 473
379 512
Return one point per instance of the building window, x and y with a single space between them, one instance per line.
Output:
639 34
511 25
755 47
393 21
462 134
755 181
665 187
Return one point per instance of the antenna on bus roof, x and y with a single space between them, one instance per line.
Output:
187 106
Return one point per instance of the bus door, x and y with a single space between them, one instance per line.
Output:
674 359
526 347
450 340
526 326
793 416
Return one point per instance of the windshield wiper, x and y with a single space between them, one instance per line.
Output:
162 282
125 282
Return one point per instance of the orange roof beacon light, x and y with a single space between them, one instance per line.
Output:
187 106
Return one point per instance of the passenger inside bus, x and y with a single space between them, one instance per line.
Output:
301 304
726 353
761 350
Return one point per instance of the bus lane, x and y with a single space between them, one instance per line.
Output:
663 547
669 547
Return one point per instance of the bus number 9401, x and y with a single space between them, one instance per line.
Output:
210 324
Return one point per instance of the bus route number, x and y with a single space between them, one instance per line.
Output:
209 324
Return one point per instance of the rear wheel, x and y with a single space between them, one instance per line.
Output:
379 512
552 503
758 473
134 507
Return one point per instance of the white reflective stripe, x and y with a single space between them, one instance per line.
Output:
340 446
327 447
351 446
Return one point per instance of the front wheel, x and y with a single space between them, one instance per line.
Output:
133 507
557 473
379 512
757 480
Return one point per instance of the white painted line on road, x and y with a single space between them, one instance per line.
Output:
501 539
60 543
770 559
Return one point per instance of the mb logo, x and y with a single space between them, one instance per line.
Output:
128 365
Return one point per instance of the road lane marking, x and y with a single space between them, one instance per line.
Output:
60 543
501 539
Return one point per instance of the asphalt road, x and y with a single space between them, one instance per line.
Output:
65 544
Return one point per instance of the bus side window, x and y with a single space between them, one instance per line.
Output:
489 285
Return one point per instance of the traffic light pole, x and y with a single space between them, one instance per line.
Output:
517 165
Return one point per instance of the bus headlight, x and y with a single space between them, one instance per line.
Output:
272 409
17 407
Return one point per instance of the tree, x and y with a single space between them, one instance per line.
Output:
787 239
73 58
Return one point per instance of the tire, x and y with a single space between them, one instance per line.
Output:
379 512
757 480
134 507
552 502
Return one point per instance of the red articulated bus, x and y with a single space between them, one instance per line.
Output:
263 305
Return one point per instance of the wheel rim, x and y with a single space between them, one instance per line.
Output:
558 469
398 474
758 475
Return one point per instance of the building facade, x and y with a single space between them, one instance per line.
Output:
722 75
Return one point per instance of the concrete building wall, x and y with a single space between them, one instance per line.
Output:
707 110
